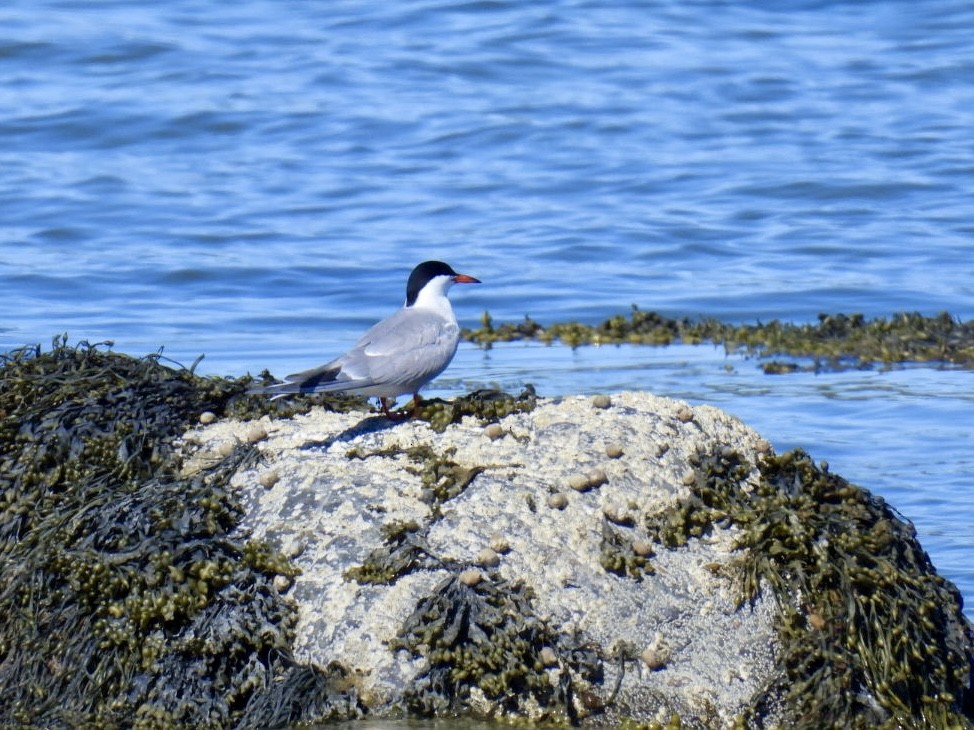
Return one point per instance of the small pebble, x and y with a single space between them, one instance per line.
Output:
689 479
257 433
558 500
281 583
488 558
762 446
269 478
207 417
816 621
601 401
643 548
226 448
579 482
499 544
294 549
548 657
613 451
494 431
684 414
596 477
471 577
657 654
617 513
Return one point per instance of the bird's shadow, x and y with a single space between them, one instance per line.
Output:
369 424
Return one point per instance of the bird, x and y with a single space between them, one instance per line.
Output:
398 355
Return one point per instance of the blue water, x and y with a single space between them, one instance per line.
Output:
254 180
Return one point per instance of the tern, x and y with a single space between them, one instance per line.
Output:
398 355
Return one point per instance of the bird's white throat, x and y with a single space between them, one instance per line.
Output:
432 298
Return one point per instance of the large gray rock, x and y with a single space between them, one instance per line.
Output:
554 500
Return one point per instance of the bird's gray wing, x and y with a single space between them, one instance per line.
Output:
405 350
409 348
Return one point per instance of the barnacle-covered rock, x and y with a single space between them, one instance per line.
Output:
690 536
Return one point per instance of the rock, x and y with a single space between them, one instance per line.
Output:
499 544
488 558
557 500
601 401
646 573
657 654
494 431
178 589
548 657
579 482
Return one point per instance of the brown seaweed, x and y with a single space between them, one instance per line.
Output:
835 342
870 634
126 597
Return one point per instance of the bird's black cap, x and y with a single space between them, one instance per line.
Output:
422 275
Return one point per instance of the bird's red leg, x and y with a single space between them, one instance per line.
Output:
385 408
416 403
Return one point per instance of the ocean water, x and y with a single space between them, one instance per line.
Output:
253 181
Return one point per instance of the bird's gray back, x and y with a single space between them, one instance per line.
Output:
408 349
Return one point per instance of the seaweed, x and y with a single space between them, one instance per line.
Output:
126 597
870 634
835 342
403 551
488 405
617 555
404 547
484 641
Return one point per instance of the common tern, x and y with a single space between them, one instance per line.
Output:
398 355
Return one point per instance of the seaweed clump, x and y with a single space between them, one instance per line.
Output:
403 551
835 342
870 634
488 405
404 548
617 555
126 597
484 649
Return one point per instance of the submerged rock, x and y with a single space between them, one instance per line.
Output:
289 567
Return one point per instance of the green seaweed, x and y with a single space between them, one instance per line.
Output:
870 634
836 342
126 599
